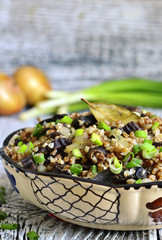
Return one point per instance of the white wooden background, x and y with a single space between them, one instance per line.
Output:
82 41
77 43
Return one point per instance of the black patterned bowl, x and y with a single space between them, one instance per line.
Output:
87 202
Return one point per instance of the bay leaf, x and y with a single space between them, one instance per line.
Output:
111 113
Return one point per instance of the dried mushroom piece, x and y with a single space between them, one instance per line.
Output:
97 154
87 121
131 126
28 163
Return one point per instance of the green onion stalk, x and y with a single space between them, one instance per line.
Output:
135 92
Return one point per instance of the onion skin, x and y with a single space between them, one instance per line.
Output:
12 100
32 82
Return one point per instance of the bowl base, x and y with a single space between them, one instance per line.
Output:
113 227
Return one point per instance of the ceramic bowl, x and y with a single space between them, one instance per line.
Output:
87 202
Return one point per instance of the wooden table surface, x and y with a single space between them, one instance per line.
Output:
77 43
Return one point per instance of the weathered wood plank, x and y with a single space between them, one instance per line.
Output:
82 41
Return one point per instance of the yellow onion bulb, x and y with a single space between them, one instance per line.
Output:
12 99
33 82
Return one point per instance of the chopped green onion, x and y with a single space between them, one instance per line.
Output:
117 164
138 181
148 141
2 190
66 119
77 153
2 200
32 235
134 163
94 169
2 193
147 146
20 144
113 168
79 132
76 169
103 125
140 134
3 215
57 121
31 146
96 139
9 226
37 130
160 149
127 156
22 149
144 111
39 158
136 148
155 126
18 137
149 154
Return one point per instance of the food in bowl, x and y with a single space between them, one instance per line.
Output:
88 146
99 169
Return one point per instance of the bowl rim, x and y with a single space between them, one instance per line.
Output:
72 177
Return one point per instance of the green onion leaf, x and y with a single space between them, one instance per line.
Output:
94 169
66 120
39 158
32 235
77 153
155 126
103 125
79 132
3 215
138 181
113 168
149 154
37 130
127 156
160 149
134 163
76 169
96 139
9 226
120 92
140 134
136 149
153 116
